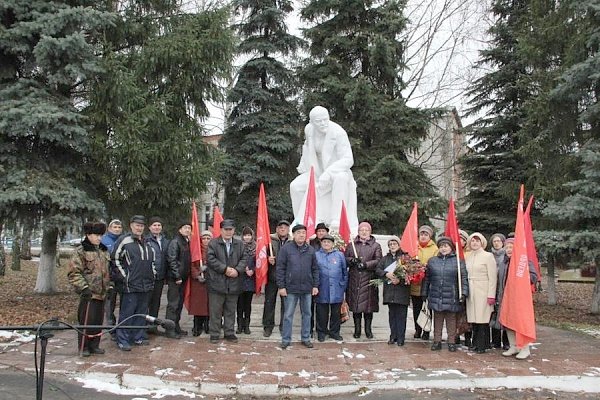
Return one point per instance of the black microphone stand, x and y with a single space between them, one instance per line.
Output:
43 333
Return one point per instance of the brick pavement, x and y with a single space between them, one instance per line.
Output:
560 360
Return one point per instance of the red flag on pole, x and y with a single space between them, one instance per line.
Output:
310 212
452 229
195 253
263 238
217 219
344 224
531 250
516 312
409 243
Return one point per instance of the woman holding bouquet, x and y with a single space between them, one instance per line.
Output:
396 290
440 286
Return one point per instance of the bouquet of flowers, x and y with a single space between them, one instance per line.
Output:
408 270
339 243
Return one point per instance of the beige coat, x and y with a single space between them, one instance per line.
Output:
483 276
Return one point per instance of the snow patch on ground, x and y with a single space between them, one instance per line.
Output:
114 388
16 336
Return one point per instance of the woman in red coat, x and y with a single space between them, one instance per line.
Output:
199 291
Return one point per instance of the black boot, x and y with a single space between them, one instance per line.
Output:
247 326
357 320
240 326
206 325
196 329
180 331
368 322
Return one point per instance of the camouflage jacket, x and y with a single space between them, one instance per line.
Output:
88 267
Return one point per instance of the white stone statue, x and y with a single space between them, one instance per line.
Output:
327 149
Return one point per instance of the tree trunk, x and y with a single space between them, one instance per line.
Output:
46 278
551 285
2 254
26 239
16 250
596 294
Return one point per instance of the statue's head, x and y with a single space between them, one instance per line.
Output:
319 117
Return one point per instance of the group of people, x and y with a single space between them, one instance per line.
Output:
462 295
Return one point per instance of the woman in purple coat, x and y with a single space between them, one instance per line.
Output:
362 258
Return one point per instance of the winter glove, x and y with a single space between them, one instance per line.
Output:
491 301
86 294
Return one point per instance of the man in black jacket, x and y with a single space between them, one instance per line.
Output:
178 261
226 264
159 243
133 265
281 237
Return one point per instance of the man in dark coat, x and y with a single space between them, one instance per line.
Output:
179 262
159 243
298 281
133 266
280 238
226 264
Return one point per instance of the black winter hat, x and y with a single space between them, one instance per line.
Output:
446 240
183 223
155 219
298 227
321 225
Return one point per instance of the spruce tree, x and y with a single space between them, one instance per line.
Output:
494 169
161 66
46 56
354 70
261 137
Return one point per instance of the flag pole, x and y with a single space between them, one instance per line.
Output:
459 276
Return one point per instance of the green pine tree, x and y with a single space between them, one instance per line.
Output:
46 56
354 70
494 170
262 129
161 68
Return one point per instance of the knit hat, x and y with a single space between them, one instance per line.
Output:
501 236
509 240
364 224
395 239
206 233
138 219
321 225
298 227
183 223
445 240
115 222
94 228
155 219
426 228
463 235
480 236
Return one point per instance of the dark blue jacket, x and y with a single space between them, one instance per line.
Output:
133 264
440 285
297 269
333 276
109 239
160 252
249 282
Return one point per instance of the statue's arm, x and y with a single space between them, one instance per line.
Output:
303 165
345 159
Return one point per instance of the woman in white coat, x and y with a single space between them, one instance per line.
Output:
483 277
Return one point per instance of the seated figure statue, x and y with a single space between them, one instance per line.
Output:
327 149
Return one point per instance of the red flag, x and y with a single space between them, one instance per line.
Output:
452 229
217 219
344 224
195 253
310 212
263 239
531 250
409 243
516 312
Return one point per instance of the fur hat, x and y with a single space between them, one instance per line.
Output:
321 225
94 228
480 236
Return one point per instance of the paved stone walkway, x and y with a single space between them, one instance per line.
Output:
560 360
